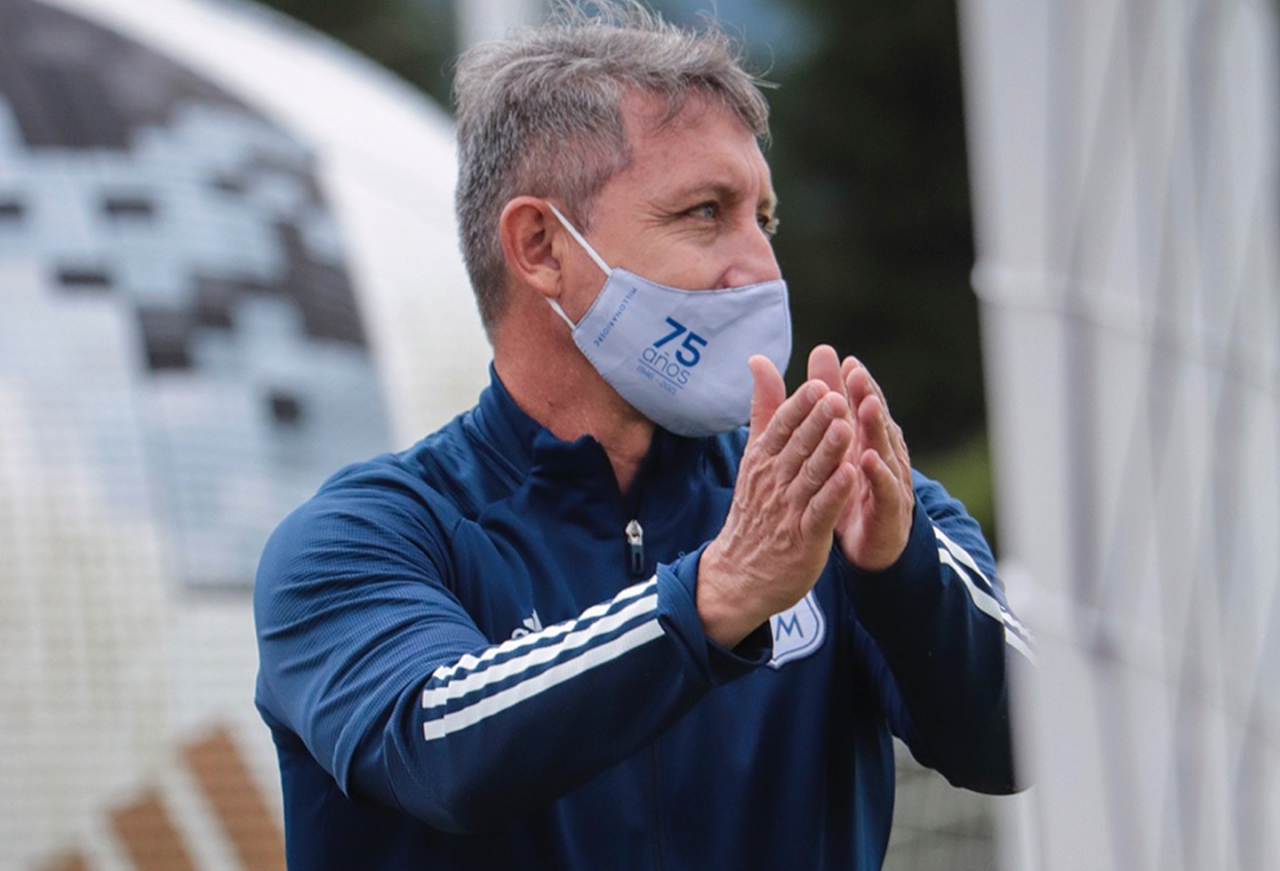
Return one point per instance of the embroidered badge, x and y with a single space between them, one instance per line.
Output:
797 631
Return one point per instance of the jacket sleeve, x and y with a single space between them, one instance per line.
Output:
940 641
370 660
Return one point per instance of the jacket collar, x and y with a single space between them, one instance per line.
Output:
523 442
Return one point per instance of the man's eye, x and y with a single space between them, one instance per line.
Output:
710 211
768 223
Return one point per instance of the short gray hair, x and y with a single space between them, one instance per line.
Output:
540 114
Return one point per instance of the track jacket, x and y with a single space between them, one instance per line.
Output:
477 654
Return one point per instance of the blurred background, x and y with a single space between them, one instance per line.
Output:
229 265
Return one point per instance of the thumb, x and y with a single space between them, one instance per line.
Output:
768 392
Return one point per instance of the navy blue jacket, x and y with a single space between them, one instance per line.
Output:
466 662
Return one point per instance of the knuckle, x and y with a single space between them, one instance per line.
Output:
813 475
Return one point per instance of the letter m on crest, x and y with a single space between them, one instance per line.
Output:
797 631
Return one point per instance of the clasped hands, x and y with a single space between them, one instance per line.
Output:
827 461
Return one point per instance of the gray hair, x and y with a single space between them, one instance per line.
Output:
540 114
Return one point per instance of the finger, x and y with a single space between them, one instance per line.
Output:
886 504
860 385
823 510
823 460
824 366
871 419
899 446
790 415
808 437
873 431
768 392
858 382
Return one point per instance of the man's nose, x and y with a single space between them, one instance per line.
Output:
753 261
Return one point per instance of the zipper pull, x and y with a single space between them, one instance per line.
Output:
635 548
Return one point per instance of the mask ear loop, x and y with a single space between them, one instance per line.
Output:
586 246
555 307
573 231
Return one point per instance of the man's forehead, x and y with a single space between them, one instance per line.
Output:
653 129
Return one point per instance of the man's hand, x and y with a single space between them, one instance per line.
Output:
794 483
874 527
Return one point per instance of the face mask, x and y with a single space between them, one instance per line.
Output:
680 356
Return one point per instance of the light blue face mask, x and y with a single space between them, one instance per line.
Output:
680 356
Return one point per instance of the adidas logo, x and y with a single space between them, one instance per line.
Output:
528 624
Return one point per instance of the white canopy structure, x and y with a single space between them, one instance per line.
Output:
1126 167
228 265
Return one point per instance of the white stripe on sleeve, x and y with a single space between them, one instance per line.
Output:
499 702
572 641
470 663
961 562
599 635
967 559
989 606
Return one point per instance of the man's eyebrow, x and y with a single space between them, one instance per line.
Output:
723 192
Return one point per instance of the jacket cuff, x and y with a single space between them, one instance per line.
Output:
678 609
917 561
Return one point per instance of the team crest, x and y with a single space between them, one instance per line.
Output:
797 631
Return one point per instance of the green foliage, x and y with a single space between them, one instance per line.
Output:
876 237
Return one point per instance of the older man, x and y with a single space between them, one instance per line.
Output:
594 622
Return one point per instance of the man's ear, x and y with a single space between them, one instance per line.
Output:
527 229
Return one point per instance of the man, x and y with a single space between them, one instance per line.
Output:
592 623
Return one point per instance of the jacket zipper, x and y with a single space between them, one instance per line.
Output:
635 548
